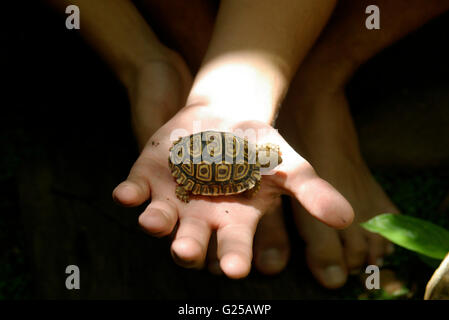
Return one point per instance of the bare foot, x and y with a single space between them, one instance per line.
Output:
327 138
271 253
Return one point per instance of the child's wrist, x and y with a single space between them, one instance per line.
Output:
234 110
240 87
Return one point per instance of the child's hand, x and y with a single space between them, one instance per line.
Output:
234 217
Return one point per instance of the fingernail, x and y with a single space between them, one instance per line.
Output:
390 248
334 275
271 258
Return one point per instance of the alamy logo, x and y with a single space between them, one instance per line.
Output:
73 280
372 22
225 147
373 280
73 20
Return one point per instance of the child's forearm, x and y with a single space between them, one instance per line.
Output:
254 53
118 32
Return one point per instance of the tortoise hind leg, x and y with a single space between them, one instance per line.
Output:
182 194
252 192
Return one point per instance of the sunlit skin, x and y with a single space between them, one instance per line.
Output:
241 56
233 217
124 40
264 63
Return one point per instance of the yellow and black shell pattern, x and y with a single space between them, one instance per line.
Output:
213 163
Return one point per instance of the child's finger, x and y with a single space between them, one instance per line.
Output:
235 247
321 200
136 188
159 218
297 177
190 245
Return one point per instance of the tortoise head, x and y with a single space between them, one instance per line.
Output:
269 152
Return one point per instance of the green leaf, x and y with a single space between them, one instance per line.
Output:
412 233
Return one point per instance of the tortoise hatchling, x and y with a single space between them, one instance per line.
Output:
213 163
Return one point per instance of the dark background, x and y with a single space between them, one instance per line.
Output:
66 141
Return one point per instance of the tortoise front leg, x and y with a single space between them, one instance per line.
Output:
182 194
252 192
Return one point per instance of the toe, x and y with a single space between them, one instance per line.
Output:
328 268
377 249
326 261
355 248
271 247
324 251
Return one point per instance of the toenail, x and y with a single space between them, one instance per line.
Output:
271 258
334 275
390 248
271 254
